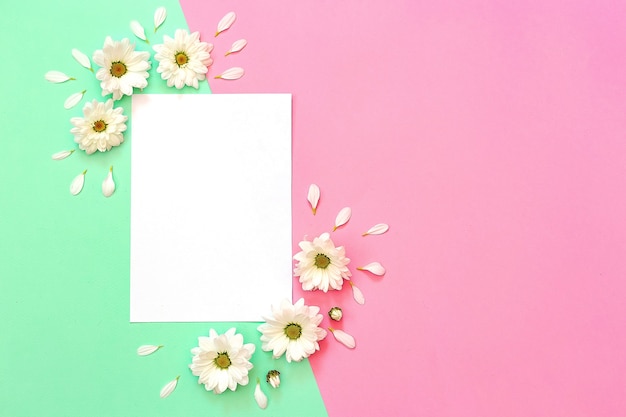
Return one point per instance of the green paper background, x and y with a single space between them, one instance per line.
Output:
67 347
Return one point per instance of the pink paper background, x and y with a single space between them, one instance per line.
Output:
490 136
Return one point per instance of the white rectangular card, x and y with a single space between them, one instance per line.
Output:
210 206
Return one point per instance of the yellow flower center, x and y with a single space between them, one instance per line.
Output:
118 69
322 261
293 331
222 361
181 58
99 126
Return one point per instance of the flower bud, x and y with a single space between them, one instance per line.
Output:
273 378
335 313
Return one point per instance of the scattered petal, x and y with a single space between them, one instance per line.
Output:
74 99
259 396
62 155
374 267
169 388
378 229
82 59
335 313
57 77
343 338
108 185
273 378
138 30
226 22
343 217
77 183
313 197
237 46
234 73
145 350
159 17
357 294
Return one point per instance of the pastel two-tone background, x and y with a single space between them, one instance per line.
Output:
489 136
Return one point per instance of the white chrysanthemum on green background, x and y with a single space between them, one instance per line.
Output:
123 68
222 361
101 128
292 330
183 60
321 265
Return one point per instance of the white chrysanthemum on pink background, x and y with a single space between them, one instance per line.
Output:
222 361
123 68
321 265
101 128
183 60
293 330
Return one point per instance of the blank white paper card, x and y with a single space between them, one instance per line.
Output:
210 206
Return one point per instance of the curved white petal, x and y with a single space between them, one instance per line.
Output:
357 294
342 217
82 59
377 229
169 388
74 99
138 30
237 46
108 185
145 350
259 395
62 155
343 337
159 17
234 73
225 22
77 183
57 77
314 197
374 267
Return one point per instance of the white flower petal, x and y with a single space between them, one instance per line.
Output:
82 59
237 46
357 294
225 22
234 73
169 388
343 337
342 217
259 396
77 183
74 99
159 17
57 77
375 268
314 197
145 350
108 185
138 30
62 155
377 229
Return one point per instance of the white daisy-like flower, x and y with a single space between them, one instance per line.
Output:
293 330
123 68
101 128
321 265
183 60
222 361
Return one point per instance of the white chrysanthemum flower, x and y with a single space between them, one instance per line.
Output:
123 68
293 330
222 361
321 265
183 60
101 128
